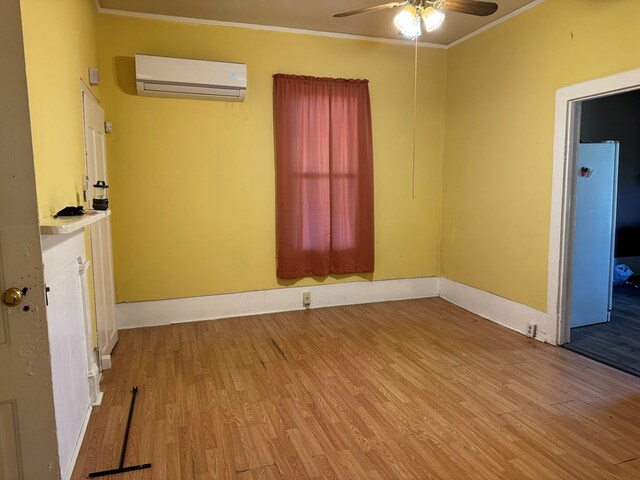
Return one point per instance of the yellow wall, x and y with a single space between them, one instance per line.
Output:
193 188
500 107
60 41
193 181
61 44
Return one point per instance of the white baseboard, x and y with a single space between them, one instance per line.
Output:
105 362
503 311
76 449
500 310
98 401
95 377
165 312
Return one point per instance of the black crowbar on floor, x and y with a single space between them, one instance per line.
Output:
121 468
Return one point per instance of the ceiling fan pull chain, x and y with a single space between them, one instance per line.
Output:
415 117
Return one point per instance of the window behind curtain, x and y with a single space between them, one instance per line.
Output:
324 161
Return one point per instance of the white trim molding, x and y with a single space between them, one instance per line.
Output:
76 448
500 310
318 33
268 28
105 360
93 371
165 312
566 138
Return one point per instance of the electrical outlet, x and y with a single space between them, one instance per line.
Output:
306 299
531 330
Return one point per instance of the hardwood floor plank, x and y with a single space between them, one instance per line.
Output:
417 389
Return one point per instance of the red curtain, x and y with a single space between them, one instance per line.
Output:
324 161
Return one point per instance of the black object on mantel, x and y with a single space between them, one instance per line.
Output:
70 212
101 201
121 468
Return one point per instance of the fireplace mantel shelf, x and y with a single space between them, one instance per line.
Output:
65 225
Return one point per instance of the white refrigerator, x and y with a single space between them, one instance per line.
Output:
594 233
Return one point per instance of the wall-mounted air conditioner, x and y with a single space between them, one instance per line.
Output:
181 77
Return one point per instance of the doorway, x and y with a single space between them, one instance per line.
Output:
569 102
104 289
605 305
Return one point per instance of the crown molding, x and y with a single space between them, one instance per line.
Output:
269 28
299 31
489 26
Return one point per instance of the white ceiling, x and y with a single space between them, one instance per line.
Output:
313 15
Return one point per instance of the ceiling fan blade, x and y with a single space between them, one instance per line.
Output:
371 9
470 7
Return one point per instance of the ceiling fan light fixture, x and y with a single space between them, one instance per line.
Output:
432 18
408 22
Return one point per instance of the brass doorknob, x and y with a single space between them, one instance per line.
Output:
12 297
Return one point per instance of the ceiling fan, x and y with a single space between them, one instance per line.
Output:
409 20
431 12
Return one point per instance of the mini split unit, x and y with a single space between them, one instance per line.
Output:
184 78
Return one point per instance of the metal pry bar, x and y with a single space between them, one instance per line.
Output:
121 468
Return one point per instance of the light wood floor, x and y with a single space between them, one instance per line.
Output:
416 389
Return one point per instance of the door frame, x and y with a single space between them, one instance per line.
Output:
565 151
92 350
101 250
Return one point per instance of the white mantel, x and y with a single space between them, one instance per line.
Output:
66 225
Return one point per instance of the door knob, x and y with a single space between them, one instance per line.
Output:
12 297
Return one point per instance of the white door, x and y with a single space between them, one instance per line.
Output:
594 233
100 231
28 446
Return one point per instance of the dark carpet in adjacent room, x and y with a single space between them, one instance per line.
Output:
615 343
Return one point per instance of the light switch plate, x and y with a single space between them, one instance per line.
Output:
94 76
